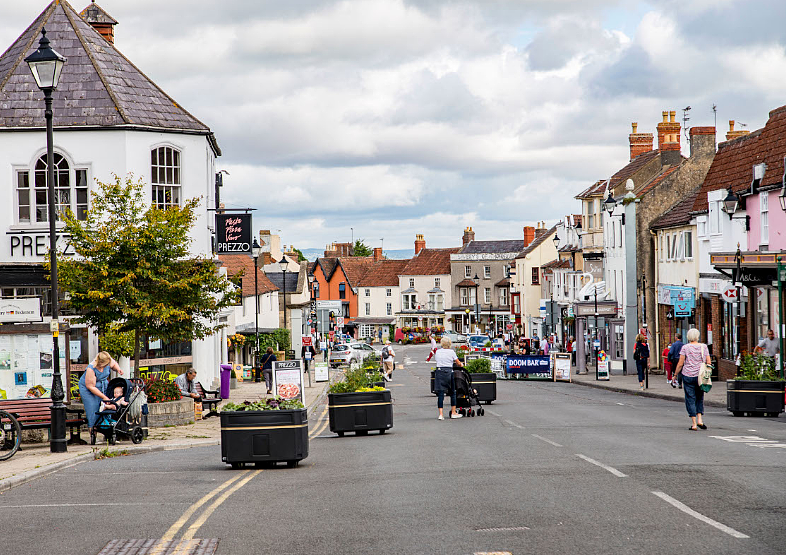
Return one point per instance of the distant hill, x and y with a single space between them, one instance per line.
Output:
400 254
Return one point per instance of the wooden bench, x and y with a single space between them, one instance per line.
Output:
35 414
210 400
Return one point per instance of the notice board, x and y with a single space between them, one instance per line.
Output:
26 364
288 380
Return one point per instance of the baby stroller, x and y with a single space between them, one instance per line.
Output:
129 420
466 395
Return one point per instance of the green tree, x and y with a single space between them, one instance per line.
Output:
300 257
361 249
133 268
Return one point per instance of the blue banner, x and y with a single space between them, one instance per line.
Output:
523 364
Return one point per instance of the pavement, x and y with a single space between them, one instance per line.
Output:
34 459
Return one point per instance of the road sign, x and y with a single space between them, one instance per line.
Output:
340 321
306 340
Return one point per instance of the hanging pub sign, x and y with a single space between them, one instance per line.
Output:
233 233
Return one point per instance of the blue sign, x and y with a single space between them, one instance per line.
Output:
523 364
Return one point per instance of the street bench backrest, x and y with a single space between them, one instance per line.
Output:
29 410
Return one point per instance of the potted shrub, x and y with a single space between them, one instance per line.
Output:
356 405
484 381
757 390
267 431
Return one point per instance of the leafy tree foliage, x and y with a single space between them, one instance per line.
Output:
361 249
133 268
300 257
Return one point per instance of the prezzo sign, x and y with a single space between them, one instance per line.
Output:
233 233
36 245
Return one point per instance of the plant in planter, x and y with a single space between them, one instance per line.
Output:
355 404
757 390
161 391
484 381
263 432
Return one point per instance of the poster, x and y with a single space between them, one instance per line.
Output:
321 372
26 365
288 379
603 366
562 367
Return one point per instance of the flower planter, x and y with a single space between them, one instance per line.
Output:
360 412
264 437
486 385
755 398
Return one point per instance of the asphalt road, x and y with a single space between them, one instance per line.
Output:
551 468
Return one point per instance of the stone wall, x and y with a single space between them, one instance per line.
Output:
171 413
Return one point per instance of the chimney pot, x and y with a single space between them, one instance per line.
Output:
420 243
377 254
672 114
665 117
731 125
634 126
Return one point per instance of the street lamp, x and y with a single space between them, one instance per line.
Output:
476 279
610 203
738 285
46 65
782 199
556 241
283 265
730 203
255 251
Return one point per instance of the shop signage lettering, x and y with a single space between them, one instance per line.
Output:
233 233
523 364
36 245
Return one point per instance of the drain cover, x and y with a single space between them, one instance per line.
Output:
161 547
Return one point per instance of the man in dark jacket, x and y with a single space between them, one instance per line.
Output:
674 356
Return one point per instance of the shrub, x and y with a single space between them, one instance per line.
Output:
355 380
758 367
160 391
269 403
479 366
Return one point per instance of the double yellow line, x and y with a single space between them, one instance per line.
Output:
228 488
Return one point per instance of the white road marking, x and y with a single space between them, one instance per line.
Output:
687 510
514 424
621 404
554 443
613 470
87 505
508 529
492 412
753 441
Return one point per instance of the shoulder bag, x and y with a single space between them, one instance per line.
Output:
705 374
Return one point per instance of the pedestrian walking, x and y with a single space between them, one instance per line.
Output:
545 345
641 354
307 353
93 384
667 364
692 355
267 368
674 356
379 333
433 347
443 377
388 361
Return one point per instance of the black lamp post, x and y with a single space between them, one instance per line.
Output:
730 203
738 285
255 250
476 279
644 322
46 66
283 266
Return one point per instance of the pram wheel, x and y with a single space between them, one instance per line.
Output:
137 435
112 438
382 432
237 465
92 437
292 464
472 413
481 412
488 402
340 434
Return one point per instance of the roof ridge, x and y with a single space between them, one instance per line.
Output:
93 61
33 36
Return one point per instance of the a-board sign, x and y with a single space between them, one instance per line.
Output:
288 379
323 345
562 367
321 372
602 372
306 340
526 364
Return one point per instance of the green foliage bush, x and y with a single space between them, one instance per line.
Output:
356 380
759 367
268 403
160 391
479 366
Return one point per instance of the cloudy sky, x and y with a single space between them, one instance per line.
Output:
397 117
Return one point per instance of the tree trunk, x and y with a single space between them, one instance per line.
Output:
136 353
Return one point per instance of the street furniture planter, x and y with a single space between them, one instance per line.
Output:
755 397
360 412
485 384
433 373
264 437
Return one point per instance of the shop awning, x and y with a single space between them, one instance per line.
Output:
757 269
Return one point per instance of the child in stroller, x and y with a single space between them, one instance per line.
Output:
466 395
125 414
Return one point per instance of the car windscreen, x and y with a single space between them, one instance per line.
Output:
341 348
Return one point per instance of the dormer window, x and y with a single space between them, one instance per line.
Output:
758 176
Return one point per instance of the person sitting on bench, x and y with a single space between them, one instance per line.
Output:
187 385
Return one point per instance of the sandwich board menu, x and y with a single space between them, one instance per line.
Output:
321 372
288 380
603 366
562 367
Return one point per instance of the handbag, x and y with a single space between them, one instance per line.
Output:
705 377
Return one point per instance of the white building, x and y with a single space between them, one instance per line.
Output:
109 119
379 298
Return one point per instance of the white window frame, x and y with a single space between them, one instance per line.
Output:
389 309
468 271
660 250
368 309
503 296
74 192
487 272
388 292
715 220
688 245
440 302
464 295
164 182
487 295
412 282
764 221
436 283
368 292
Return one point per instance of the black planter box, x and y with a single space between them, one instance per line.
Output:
754 397
360 412
432 381
486 386
267 436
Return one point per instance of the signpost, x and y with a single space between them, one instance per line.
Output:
233 233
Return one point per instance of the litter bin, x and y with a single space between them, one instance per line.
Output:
226 374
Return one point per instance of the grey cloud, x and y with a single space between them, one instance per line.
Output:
438 99
555 46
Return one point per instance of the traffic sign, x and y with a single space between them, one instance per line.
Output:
339 321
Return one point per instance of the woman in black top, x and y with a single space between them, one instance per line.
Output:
641 354
267 368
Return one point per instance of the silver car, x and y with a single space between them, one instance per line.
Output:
351 354
455 338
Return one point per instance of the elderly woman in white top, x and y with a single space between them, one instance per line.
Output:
443 377
692 355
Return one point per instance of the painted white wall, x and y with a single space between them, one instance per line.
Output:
378 300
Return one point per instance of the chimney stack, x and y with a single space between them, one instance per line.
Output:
732 134
420 243
469 235
100 21
702 141
669 132
529 235
639 142
377 254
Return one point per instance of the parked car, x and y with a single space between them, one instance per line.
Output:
351 354
455 338
478 340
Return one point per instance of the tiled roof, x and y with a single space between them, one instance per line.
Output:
677 215
538 241
467 283
632 167
734 161
98 87
355 267
556 264
593 190
430 262
327 264
277 279
235 263
493 247
505 282
383 274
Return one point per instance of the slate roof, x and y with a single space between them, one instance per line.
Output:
99 87
538 241
277 279
734 161
493 247
383 274
94 13
619 178
430 262
327 264
677 215
593 190
556 264
235 263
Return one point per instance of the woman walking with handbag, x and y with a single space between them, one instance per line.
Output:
693 356
641 354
